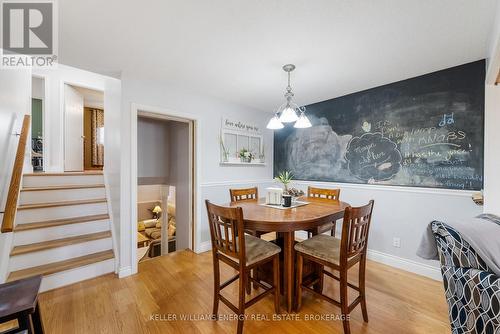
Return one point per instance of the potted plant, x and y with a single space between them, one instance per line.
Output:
245 155
285 178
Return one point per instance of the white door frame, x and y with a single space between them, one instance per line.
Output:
195 158
73 148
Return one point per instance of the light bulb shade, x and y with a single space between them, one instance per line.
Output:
288 115
303 122
274 123
157 209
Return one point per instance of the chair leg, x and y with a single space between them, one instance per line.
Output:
333 230
344 303
319 285
298 290
248 283
255 272
276 272
241 297
362 271
216 288
255 275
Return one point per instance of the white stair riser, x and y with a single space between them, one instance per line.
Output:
50 196
60 212
58 180
59 232
39 258
75 275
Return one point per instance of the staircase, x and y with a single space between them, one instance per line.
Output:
62 229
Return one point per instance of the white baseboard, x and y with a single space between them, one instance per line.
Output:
124 271
405 264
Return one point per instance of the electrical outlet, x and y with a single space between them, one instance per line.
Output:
396 242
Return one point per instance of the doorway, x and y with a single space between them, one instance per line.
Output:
165 175
84 129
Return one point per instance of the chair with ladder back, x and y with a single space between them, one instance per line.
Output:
328 194
246 194
339 255
243 253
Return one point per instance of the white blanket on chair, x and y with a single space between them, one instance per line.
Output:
482 233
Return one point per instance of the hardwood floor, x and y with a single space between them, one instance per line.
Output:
181 284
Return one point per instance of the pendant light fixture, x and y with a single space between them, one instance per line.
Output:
289 111
275 124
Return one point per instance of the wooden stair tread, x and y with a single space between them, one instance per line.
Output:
62 203
39 246
59 222
64 187
65 173
56 267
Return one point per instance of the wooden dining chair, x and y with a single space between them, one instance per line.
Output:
246 194
339 255
243 253
329 194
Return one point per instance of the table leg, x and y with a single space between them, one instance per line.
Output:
289 264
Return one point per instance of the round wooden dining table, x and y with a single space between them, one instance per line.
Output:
317 212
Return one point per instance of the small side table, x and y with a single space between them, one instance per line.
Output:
19 300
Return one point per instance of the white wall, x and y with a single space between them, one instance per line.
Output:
213 180
493 60
91 98
149 192
15 102
152 149
492 151
491 124
37 88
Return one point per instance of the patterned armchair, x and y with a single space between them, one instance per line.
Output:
472 289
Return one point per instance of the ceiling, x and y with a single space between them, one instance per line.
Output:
234 49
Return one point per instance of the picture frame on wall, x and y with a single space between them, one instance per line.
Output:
241 144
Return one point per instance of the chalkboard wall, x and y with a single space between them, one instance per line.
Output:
426 131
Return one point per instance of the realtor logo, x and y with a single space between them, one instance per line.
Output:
28 34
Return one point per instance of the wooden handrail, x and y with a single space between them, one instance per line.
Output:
15 180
